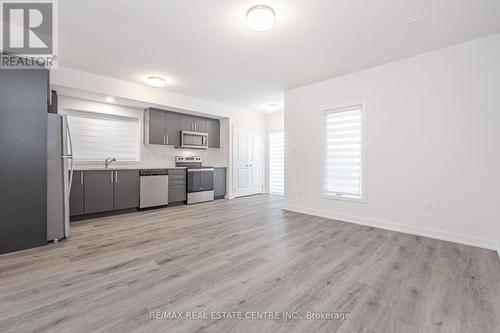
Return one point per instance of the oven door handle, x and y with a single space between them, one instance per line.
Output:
200 170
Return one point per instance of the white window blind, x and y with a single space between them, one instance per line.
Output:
96 137
344 152
276 162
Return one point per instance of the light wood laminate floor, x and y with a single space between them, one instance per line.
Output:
246 255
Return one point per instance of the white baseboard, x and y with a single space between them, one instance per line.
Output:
489 244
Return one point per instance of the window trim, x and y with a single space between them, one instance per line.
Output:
278 131
324 113
119 163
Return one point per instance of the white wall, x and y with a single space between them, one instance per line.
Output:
433 135
79 84
274 122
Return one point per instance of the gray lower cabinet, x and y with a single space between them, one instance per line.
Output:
102 191
176 185
213 130
220 182
98 191
76 197
176 193
126 189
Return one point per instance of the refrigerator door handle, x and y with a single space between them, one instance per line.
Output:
69 156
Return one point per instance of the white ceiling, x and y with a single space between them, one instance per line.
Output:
204 48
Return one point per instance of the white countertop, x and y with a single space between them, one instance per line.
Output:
129 167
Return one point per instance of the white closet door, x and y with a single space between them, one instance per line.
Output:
248 162
256 163
241 172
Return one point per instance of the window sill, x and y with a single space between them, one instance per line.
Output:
343 198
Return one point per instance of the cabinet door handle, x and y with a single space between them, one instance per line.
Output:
164 139
111 177
81 178
167 139
116 177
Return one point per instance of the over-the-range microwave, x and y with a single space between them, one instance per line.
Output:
197 140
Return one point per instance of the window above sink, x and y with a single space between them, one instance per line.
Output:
97 136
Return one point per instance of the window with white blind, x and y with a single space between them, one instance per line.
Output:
277 162
96 136
343 168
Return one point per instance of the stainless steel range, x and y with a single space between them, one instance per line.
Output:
200 179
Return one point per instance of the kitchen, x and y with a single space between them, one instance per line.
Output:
163 167
119 154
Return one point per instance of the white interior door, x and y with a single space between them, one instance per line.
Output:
241 173
256 163
248 162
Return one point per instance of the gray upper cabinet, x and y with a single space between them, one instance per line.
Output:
98 188
126 189
194 124
200 124
157 129
187 123
76 197
172 129
213 133
164 127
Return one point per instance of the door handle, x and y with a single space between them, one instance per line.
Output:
111 177
167 139
81 178
164 139
116 177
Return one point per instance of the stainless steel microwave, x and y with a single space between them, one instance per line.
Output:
196 140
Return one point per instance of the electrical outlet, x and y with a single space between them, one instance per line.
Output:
428 206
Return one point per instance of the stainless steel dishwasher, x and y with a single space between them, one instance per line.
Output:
154 188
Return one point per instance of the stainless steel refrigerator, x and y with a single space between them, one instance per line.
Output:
59 176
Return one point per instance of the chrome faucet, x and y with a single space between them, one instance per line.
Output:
108 161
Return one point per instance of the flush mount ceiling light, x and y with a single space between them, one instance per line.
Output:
273 107
156 81
260 18
110 99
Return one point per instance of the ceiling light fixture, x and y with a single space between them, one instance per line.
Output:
274 107
110 99
260 18
156 81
